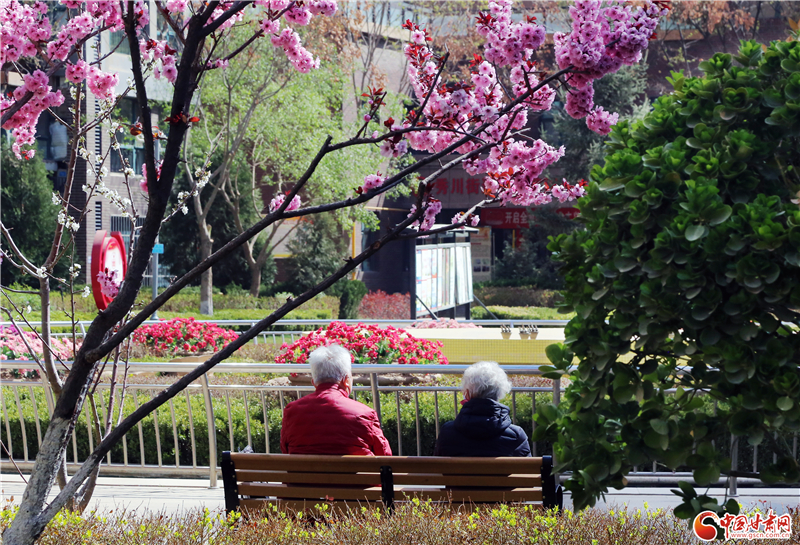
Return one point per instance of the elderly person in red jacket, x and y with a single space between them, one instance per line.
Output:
328 421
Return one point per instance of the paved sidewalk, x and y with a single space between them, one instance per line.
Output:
178 495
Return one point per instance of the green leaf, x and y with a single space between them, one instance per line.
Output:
554 353
709 336
790 66
785 403
597 471
732 506
684 511
688 489
695 232
611 184
660 426
655 440
719 215
706 475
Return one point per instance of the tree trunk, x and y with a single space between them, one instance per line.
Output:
28 520
207 278
50 369
255 279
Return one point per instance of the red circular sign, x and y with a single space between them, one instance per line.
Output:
108 257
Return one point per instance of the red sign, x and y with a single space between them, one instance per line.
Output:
505 218
569 212
108 258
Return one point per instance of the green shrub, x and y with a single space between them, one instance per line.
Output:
518 313
352 294
513 296
412 522
691 258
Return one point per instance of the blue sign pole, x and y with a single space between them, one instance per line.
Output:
157 249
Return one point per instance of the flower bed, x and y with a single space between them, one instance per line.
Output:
442 323
13 347
379 305
182 336
367 344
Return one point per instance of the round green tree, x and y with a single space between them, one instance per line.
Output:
686 288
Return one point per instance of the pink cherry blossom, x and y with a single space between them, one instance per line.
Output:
371 181
601 121
276 203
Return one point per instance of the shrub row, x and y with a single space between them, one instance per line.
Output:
518 313
411 523
517 296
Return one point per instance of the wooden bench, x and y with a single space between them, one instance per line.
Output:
254 482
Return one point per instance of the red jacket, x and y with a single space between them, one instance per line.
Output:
329 422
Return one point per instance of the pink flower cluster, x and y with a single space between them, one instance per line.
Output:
442 323
23 123
601 121
143 181
109 283
170 337
276 203
176 6
567 192
299 56
372 181
367 344
162 55
12 345
22 26
25 31
472 220
512 168
434 206
603 38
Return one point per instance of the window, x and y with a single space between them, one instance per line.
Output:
98 215
118 41
131 148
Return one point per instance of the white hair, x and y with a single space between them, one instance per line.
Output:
330 364
486 379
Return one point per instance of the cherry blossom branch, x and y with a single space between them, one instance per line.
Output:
18 104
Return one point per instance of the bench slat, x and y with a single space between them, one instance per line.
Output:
399 464
516 480
317 494
314 493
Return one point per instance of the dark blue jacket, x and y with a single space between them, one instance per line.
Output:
482 428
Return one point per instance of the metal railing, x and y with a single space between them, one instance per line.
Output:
396 404
154 453
291 336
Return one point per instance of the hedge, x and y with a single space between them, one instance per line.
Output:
519 313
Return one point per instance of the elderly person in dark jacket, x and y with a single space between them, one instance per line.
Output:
483 427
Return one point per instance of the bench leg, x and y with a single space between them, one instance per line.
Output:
387 487
230 484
